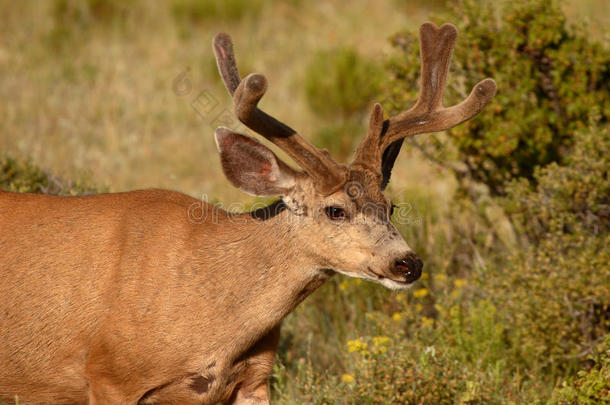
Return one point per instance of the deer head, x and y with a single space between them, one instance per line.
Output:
341 212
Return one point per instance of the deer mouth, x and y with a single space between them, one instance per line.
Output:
390 282
393 283
402 282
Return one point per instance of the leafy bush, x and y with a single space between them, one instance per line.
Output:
559 301
339 85
340 81
571 198
74 19
24 177
340 137
409 5
211 10
67 12
592 384
550 77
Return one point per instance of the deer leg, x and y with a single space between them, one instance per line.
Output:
252 389
104 394
105 387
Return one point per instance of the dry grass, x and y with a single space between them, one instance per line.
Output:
104 105
98 101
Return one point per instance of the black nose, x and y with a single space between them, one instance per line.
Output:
410 267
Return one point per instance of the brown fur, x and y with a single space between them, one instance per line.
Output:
123 293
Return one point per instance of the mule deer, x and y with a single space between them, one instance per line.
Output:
126 299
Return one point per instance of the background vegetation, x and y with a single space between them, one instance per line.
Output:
510 212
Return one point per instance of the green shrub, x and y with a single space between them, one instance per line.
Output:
24 177
340 137
84 13
340 81
410 5
555 294
573 198
550 77
73 20
592 384
197 11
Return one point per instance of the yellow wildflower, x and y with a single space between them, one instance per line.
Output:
343 285
420 293
427 322
381 340
459 282
356 345
400 297
347 378
380 343
440 278
397 317
357 281
419 307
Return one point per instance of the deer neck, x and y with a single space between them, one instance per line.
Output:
281 273
266 271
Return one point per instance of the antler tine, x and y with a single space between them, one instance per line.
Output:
428 114
435 53
368 153
225 60
328 174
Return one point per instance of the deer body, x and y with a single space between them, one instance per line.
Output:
152 297
171 307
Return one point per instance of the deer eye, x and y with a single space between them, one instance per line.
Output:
335 213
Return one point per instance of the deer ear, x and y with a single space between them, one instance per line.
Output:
251 166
